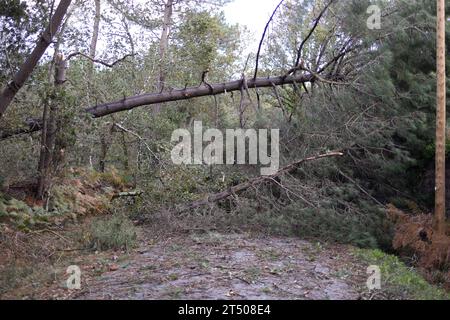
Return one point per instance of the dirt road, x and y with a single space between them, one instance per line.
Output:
217 266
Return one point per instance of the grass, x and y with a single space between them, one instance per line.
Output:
270 254
400 280
11 276
175 293
25 277
252 273
266 290
210 238
173 277
116 232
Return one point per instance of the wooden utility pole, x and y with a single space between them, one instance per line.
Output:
439 215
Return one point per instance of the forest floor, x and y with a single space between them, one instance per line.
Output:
174 258
208 265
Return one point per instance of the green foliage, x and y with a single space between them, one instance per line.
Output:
399 279
384 121
87 192
116 232
205 42
20 21
368 230
14 9
21 215
430 150
411 69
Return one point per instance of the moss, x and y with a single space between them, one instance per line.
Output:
399 279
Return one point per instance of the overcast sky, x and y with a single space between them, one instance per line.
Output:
252 13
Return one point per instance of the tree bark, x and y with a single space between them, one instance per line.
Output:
439 215
192 92
49 133
127 194
105 144
28 66
30 126
163 46
94 39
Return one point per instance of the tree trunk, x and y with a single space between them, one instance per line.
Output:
94 39
105 144
439 218
163 46
49 133
129 103
28 66
126 156
192 92
43 154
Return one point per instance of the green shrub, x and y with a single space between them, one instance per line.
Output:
399 279
114 232
367 231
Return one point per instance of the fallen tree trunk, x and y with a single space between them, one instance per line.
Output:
204 89
255 181
30 126
192 92
131 194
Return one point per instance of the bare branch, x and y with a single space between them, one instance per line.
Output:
251 183
263 36
109 65
311 31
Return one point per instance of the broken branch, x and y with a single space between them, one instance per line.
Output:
251 183
191 92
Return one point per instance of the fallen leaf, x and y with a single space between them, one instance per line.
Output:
113 267
231 293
